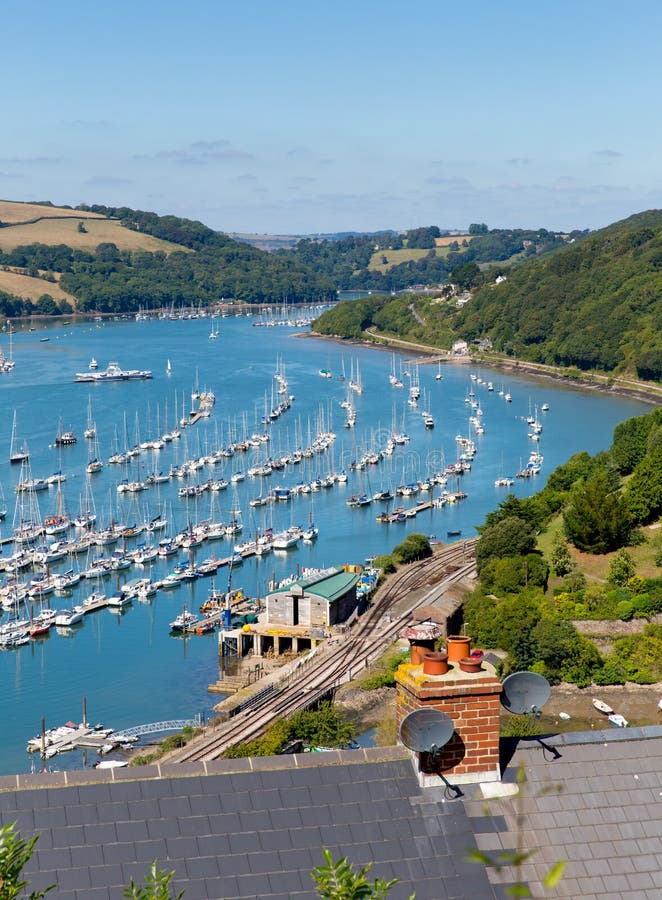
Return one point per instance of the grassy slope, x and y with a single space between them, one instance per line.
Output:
14 213
395 257
60 226
32 288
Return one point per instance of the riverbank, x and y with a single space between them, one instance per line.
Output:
646 392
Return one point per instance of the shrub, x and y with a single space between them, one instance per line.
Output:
385 563
621 568
414 547
625 610
520 726
610 673
560 557
324 725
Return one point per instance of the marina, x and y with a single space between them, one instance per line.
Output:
223 486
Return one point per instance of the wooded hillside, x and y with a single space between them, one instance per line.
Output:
160 260
596 304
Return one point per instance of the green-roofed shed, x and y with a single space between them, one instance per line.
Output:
324 598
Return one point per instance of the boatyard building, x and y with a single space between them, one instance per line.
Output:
326 598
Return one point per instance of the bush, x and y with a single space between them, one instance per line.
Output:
621 568
414 547
625 610
520 726
384 675
560 558
512 536
324 726
610 673
385 563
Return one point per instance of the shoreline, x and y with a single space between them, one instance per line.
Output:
635 390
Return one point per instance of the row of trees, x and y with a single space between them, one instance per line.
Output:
113 280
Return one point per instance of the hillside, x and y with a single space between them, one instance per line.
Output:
32 223
118 259
21 285
596 304
421 256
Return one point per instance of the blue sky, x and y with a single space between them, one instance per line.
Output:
302 117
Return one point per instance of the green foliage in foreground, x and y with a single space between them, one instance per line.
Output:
156 887
638 657
513 860
337 880
15 852
323 726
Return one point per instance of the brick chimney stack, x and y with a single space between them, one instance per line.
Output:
471 700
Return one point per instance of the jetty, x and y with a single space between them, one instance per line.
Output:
401 513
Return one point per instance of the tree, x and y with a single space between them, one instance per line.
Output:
560 557
414 547
478 228
466 275
509 537
644 490
621 568
597 519
15 852
81 228
46 306
338 881
156 887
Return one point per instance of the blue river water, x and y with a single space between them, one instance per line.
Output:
128 666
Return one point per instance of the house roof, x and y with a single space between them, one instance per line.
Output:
254 828
244 828
329 587
595 803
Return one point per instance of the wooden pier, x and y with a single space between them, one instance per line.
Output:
401 513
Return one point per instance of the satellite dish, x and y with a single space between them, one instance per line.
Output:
426 730
525 692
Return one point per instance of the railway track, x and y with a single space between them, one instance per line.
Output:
423 583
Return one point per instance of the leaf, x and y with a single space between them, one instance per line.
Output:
554 875
519 890
476 856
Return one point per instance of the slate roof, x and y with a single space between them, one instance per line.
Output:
597 806
244 828
254 828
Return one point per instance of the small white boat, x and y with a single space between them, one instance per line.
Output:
565 716
311 533
616 720
67 618
602 707
183 621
